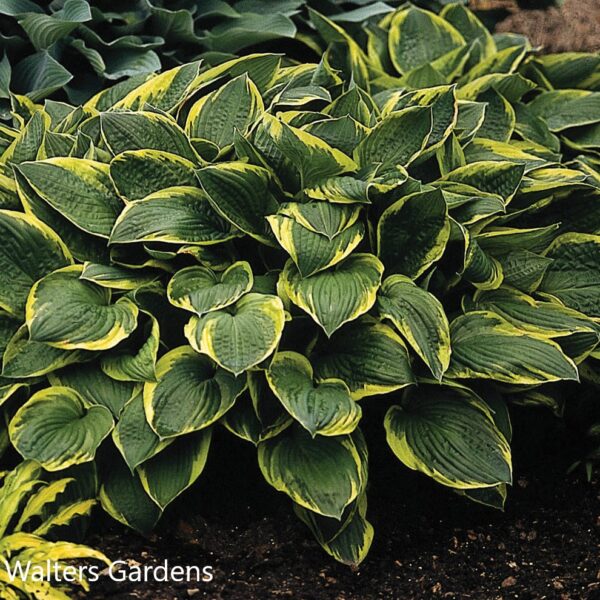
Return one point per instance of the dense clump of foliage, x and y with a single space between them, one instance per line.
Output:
271 247
75 48
33 509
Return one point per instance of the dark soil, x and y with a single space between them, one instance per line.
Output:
575 27
429 543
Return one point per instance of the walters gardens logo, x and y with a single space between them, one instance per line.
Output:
119 570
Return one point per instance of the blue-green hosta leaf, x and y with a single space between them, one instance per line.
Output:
413 232
562 109
176 215
123 497
145 131
241 193
95 387
450 435
544 318
44 30
133 436
418 37
493 177
337 295
486 346
314 159
176 467
137 173
29 250
310 251
38 75
323 474
366 355
201 290
55 428
79 189
325 218
241 336
93 324
573 277
396 140
234 106
420 318
135 359
325 408
191 393
25 358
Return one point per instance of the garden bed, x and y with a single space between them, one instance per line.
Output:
429 542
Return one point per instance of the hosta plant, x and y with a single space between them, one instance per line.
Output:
271 248
32 510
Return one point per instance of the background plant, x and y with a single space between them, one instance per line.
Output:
264 246
74 48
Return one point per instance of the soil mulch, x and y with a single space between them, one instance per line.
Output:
575 27
429 542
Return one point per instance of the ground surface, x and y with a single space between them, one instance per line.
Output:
574 27
429 542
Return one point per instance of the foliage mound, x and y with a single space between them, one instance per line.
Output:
75 48
272 247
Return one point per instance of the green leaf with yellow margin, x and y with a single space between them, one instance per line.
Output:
325 408
242 335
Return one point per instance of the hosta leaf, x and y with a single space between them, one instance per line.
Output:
323 474
234 106
164 91
145 131
420 318
417 37
136 361
240 192
123 497
486 346
201 290
56 429
138 173
562 109
39 74
191 393
29 250
115 277
133 436
79 189
241 336
545 318
26 358
27 145
494 177
93 324
352 536
573 277
176 215
369 357
325 218
174 469
500 119
325 408
396 140
95 387
310 251
338 295
314 159
449 434
413 232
